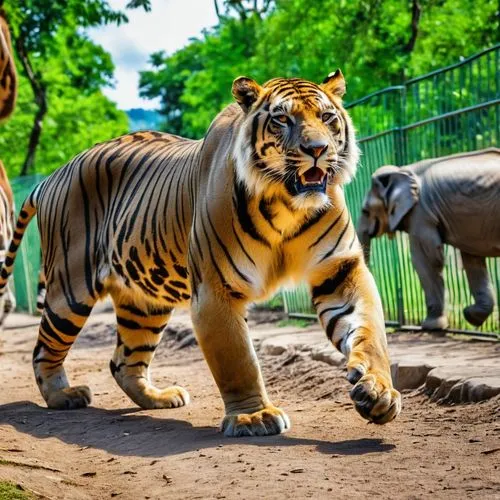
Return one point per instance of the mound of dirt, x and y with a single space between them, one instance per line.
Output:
295 371
180 336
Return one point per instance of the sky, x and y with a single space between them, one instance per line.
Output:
168 26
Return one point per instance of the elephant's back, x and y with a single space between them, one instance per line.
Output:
466 181
464 194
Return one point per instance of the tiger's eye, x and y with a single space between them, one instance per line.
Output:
283 119
327 117
333 122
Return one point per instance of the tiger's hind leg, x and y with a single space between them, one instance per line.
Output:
41 291
139 333
60 324
7 304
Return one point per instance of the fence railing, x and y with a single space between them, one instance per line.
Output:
28 256
451 110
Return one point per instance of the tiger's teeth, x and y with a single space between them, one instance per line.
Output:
304 182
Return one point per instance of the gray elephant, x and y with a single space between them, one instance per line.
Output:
453 200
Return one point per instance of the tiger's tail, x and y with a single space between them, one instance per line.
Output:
27 212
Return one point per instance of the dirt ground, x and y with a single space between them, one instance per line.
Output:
113 449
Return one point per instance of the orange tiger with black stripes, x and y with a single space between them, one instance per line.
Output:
158 222
8 76
8 94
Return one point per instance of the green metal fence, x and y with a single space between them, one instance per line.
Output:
451 110
28 257
447 111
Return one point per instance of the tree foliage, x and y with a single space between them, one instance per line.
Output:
74 122
376 43
61 109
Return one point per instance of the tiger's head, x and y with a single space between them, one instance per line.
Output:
296 138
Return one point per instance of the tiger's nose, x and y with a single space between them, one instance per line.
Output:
314 150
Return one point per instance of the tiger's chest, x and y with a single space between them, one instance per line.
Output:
273 248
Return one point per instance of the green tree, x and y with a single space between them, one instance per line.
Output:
194 83
74 121
54 51
241 8
376 43
451 30
225 53
167 80
371 40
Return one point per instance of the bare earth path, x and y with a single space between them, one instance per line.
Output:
114 450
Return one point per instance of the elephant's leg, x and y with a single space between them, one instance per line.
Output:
480 287
427 256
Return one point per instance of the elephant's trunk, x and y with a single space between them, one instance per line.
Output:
364 236
365 241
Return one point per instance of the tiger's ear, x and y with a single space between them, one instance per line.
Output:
246 91
334 83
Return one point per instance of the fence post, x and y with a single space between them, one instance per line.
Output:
400 153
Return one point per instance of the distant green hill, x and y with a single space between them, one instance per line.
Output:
143 119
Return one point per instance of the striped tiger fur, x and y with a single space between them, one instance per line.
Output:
7 220
158 221
8 76
8 89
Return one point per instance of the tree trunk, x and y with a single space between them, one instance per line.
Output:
36 132
217 10
416 11
40 93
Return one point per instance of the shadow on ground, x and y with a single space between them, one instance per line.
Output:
127 432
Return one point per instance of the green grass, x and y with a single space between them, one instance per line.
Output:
275 303
9 491
297 322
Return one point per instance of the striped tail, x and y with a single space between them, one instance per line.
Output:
28 211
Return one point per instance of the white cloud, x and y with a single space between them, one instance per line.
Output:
168 26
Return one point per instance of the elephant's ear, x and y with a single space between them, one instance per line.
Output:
399 189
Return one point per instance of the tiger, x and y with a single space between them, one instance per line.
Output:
8 89
8 75
157 222
7 218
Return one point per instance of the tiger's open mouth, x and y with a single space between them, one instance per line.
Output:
313 179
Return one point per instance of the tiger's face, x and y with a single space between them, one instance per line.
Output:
296 138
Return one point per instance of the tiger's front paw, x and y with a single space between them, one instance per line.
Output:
374 397
271 420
